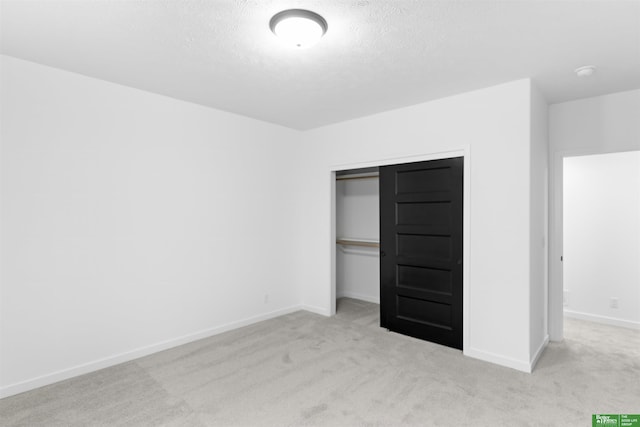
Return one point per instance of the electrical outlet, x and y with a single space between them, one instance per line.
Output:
613 302
565 298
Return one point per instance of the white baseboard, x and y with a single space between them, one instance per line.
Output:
539 351
519 365
317 310
602 319
106 362
361 297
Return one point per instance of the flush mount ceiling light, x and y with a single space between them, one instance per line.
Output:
298 27
586 71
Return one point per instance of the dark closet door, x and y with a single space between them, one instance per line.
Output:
421 250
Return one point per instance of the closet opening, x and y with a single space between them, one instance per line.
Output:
357 261
399 247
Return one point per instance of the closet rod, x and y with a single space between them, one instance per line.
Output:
365 243
346 177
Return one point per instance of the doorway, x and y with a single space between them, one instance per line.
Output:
601 238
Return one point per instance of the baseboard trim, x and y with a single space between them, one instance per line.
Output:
106 362
602 319
361 297
317 310
539 351
496 359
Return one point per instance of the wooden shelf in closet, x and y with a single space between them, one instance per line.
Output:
354 242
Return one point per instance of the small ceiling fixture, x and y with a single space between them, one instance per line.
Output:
586 71
298 27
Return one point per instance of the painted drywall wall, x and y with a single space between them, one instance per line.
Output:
603 124
539 166
602 237
358 216
493 126
131 222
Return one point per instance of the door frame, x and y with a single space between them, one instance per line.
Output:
465 152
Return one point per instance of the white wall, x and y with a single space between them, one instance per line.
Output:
131 222
358 216
539 224
494 127
603 124
602 237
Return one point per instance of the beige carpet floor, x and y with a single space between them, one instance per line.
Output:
304 369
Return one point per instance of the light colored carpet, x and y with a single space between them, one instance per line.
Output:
305 369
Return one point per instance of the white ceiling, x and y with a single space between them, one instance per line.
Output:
376 56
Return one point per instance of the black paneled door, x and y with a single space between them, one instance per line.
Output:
421 250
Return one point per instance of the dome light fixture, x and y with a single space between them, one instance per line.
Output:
586 71
298 27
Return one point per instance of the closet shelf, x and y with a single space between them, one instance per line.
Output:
358 242
349 177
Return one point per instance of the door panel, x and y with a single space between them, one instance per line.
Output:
422 180
425 278
421 250
414 214
426 312
424 248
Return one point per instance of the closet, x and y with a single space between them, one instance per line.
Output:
357 235
399 237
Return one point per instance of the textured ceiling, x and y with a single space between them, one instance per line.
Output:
376 56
